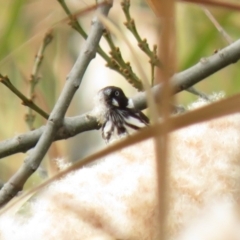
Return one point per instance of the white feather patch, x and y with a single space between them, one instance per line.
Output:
135 121
130 103
107 129
115 102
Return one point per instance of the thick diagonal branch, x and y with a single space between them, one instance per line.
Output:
55 120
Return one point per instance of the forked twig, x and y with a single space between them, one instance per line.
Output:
119 64
25 101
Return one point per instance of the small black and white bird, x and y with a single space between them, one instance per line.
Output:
117 114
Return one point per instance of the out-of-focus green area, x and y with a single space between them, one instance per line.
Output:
199 38
23 25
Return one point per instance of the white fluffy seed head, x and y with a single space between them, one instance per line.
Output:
117 197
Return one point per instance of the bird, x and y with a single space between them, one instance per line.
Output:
116 114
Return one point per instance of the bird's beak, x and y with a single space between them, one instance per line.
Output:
130 103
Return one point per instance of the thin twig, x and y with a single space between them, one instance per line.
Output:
77 26
34 78
142 43
123 67
25 101
214 3
180 81
198 93
217 25
56 118
73 20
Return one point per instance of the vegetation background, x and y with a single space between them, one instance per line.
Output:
24 23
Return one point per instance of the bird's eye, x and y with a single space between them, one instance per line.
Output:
117 93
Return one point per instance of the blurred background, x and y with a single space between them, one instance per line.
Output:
24 23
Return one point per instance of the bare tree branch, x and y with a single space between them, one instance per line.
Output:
55 121
23 142
75 125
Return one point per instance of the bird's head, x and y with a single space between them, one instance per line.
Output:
114 97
